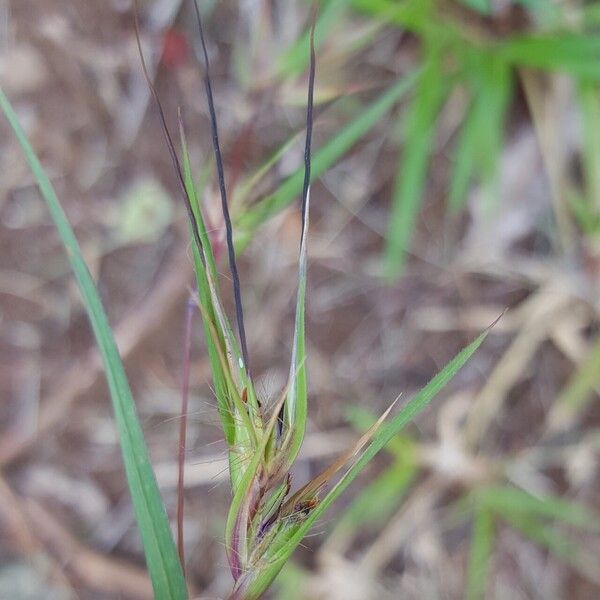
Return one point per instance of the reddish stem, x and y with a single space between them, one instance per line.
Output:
185 388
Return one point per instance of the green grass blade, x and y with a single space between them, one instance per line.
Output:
204 297
493 104
208 281
548 537
161 554
410 181
480 141
482 543
572 53
589 101
590 15
296 405
481 6
387 432
415 15
362 419
513 501
577 393
322 160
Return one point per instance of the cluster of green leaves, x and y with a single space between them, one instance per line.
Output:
482 63
485 66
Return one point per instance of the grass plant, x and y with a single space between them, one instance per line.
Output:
268 518
269 515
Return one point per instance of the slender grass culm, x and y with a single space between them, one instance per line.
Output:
266 519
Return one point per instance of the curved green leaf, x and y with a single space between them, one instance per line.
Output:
161 556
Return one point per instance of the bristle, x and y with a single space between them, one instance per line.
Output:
168 137
225 208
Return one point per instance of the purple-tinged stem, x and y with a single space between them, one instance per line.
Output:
185 388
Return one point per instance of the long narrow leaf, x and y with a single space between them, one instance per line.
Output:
510 500
482 543
480 142
578 392
495 96
572 53
416 405
161 554
296 406
465 159
204 295
589 100
410 181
